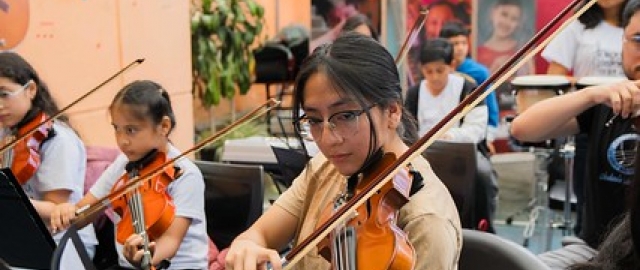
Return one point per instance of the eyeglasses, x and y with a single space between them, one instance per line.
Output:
344 123
9 94
634 40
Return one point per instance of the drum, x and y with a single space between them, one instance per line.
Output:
591 81
531 89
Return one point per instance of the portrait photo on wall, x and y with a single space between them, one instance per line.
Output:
503 27
330 18
440 12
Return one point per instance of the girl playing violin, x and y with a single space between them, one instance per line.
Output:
350 93
55 173
142 119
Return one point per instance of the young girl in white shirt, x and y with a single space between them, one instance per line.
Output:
142 119
56 163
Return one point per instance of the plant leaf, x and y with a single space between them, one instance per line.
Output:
223 33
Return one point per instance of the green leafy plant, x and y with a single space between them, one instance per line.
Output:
222 35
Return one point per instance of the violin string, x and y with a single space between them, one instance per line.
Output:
137 217
141 230
340 250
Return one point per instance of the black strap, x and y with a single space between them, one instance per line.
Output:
417 183
142 162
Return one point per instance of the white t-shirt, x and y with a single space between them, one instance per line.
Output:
431 109
588 52
63 161
187 192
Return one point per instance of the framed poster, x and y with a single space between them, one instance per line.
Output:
328 17
440 12
502 28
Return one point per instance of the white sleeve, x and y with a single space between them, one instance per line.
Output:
187 192
491 133
63 164
562 49
473 128
103 185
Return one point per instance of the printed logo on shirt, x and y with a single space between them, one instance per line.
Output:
609 63
621 155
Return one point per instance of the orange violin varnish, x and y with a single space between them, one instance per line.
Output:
26 155
380 244
159 210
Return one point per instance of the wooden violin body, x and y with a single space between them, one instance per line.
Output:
24 158
379 243
158 208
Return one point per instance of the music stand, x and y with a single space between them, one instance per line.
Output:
26 242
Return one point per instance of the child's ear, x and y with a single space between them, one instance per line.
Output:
32 89
165 126
395 114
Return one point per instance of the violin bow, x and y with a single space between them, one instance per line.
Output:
15 141
85 214
340 216
413 33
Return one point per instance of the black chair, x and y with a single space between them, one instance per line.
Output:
291 162
234 197
4 265
456 165
481 250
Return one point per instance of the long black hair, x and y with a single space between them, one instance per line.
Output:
149 101
594 15
359 67
17 69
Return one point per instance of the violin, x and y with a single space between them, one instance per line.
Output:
388 173
148 210
24 159
372 229
152 197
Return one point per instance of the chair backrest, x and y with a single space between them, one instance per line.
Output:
234 197
456 164
291 162
481 250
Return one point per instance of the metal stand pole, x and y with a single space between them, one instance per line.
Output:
568 152
539 216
